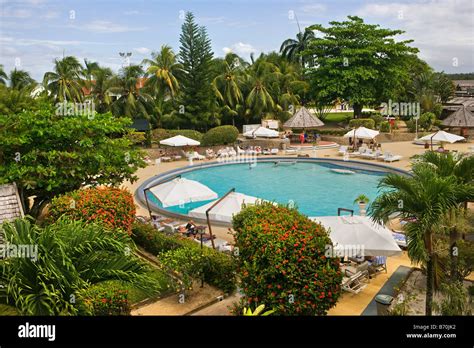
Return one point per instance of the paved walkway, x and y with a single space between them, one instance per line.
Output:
181 305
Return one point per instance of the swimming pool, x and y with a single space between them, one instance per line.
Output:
311 186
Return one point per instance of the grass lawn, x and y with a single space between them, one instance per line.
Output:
336 117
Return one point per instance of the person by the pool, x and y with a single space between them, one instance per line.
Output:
189 229
302 136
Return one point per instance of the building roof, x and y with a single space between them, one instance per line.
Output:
458 101
462 118
303 119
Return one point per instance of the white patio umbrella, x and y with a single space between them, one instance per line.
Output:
181 191
262 132
179 140
361 133
224 211
442 137
376 239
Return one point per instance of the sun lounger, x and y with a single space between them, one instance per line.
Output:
266 152
400 238
292 150
240 151
196 156
177 157
342 150
355 283
379 264
274 151
389 157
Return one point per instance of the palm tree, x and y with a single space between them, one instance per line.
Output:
13 101
65 81
261 75
292 49
423 200
3 76
99 86
20 79
227 84
131 100
164 70
70 256
460 166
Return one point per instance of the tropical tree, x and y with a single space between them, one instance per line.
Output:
70 256
47 154
293 49
14 100
195 55
20 79
461 167
227 84
64 82
131 100
261 74
358 62
3 76
423 200
164 71
98 88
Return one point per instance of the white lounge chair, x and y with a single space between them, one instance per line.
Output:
355 283
342 150
274 151
373 154
240 151
389 157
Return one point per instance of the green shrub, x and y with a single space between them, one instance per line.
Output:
411 125
362 122
385 127
111 206
137 138
427 121
218 267
336 132
6 310
159 134
377 117
104 299
282 261
221 135
185 261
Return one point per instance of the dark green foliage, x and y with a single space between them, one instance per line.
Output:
221 135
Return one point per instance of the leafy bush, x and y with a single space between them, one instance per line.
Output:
411 125
385 127
282 261
427 121
136 138
218 267
186 261
336 132
159 134
104 299
362 122
378 119
221 135
111 206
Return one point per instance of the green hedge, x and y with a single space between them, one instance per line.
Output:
159 134
221 135
362 122
336 132
385 127
218 267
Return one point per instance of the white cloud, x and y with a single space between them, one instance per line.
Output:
15 13
442 30
99 26
240 48
313 9
142 50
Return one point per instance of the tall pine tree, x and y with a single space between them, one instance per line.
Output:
195 55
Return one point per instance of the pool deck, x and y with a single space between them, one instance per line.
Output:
349 304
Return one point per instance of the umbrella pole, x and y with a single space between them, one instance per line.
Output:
207 215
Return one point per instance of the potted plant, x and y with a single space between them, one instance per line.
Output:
362 200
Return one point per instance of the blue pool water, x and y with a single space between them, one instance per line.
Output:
313 187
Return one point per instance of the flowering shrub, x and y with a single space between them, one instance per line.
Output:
281 261
113 207
104 299
218 268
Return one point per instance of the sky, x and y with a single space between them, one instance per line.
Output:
35 32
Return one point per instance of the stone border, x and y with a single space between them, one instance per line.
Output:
140 196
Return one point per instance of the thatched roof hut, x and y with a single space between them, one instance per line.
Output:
461 113
303 119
